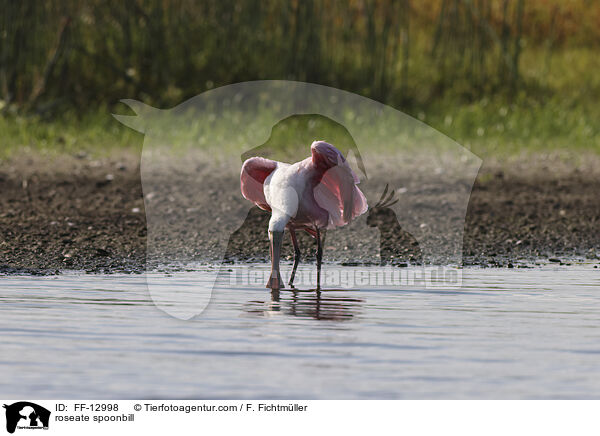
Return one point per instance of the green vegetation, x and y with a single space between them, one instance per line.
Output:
499 77
96 132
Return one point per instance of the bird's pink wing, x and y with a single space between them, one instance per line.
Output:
337 192
252 178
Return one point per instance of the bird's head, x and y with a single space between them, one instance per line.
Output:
381 214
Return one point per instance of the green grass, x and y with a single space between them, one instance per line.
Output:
96 133
498 128
557 109
488 128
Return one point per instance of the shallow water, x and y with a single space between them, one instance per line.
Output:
531 333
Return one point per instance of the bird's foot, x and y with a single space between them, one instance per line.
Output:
275 282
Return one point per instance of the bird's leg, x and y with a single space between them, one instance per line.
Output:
320 243
275 238
296 256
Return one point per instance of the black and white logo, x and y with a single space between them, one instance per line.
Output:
26 415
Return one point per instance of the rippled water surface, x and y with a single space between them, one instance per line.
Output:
531 333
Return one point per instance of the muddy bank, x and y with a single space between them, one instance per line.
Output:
82 213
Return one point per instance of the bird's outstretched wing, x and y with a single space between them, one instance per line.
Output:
254 172
337 192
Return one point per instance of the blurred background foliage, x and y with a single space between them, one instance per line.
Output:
507 71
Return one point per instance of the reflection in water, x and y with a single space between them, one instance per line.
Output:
307 304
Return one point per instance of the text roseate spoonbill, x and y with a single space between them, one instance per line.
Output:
315 194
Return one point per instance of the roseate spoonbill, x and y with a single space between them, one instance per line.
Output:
315 194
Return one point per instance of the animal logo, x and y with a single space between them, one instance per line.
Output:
26 415
190 173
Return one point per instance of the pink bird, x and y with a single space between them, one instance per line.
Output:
315 194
